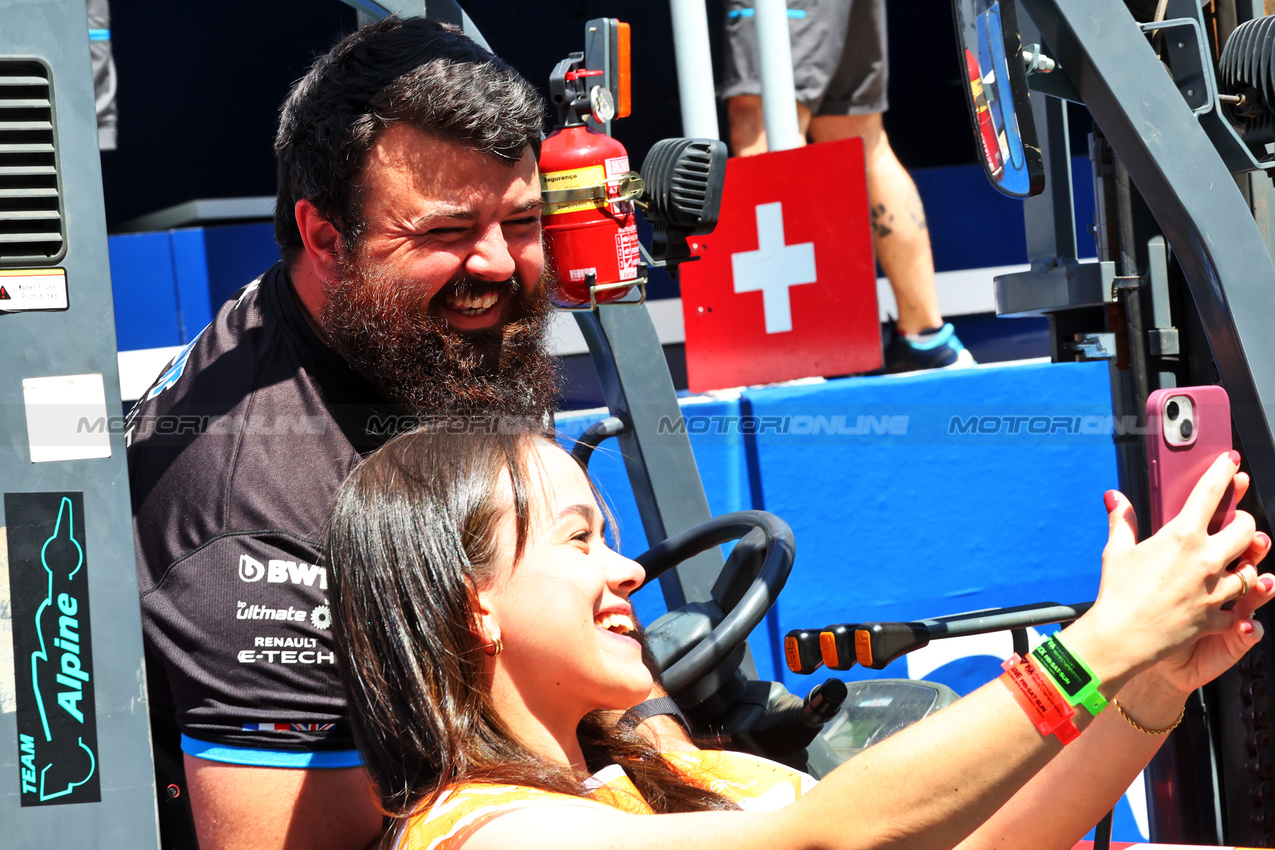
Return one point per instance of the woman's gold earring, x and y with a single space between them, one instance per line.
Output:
494 648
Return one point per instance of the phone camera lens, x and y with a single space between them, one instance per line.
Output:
1185 429
1171 410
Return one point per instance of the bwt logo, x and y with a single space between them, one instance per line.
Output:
278 571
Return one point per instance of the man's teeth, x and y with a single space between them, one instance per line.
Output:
614 622
474 304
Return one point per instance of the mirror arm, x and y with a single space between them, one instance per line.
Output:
1054 84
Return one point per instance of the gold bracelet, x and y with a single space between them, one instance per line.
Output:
1136 725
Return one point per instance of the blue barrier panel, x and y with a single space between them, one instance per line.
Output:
918 496
190 267
973 226
144 291
237 253
169 284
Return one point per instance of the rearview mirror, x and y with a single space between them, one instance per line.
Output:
991 52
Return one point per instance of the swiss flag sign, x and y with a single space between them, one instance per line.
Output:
786 285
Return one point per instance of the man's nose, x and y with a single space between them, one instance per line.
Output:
490 258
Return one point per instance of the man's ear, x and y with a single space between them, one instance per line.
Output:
321 239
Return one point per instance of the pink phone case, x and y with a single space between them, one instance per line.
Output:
1174 470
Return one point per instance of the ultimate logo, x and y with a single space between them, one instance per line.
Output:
53 657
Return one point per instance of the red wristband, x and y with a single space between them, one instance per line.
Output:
1039 699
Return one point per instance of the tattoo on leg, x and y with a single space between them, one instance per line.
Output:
881 220
916 211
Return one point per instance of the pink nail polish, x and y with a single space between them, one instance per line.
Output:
1262 539
1266 582
1235 457
1110 499
1246 627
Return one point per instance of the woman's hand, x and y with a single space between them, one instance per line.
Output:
1160 597
1213 654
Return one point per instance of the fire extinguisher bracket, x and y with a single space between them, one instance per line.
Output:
630 186
638 284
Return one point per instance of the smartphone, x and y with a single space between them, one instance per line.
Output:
1187 428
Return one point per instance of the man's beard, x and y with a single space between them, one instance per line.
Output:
410 353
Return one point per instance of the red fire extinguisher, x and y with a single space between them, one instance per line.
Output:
589 224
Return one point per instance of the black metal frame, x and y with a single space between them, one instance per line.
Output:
76 341
1183 294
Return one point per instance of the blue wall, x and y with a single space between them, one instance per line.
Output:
167 285
974 226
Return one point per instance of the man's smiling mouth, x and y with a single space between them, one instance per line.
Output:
472 304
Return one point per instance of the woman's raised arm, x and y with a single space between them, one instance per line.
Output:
1156 628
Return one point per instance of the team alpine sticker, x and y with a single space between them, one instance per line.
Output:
52 649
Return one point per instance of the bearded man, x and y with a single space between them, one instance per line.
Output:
412 283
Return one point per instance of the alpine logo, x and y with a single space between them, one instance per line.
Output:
277 571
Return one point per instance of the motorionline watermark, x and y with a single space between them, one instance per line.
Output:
373 425
910 424
796 424
1086 425
916 422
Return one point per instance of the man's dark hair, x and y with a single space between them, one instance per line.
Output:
416 71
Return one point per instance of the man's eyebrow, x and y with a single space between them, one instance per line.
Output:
457 212
443 210
529 205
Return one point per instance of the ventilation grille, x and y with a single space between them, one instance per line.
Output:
31 227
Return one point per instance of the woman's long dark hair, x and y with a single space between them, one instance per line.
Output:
412 535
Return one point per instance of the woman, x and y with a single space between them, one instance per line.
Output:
482 620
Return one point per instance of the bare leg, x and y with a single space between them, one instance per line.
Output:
748 125
899 232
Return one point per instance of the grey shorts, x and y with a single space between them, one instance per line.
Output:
838 54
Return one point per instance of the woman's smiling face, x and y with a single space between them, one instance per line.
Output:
562 611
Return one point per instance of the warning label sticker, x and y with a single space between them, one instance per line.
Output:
29 290
627 252
572 178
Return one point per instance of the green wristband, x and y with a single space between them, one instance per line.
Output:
1076 682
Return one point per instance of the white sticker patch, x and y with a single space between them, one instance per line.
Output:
616 166
66 417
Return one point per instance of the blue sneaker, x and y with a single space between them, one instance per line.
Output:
938 349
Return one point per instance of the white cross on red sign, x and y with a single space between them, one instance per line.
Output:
773 267
785 286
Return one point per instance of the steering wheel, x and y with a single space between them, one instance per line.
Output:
749 584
